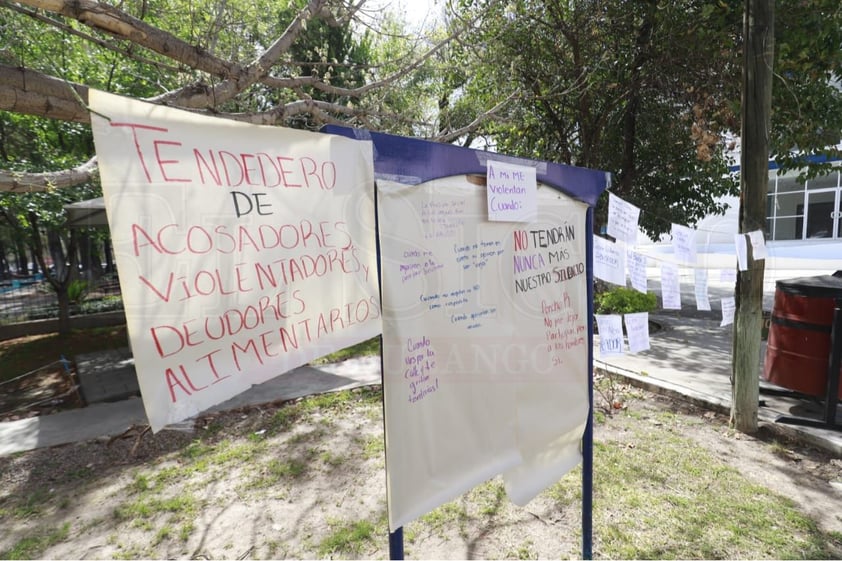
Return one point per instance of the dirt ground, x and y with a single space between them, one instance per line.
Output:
277 482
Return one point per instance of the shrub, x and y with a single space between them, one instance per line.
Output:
621 300
78 290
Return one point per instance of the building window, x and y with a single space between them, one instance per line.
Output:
807 210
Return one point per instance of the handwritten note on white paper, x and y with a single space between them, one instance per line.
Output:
729 308
622 219
670 286
636 264
512 192
637 329
684 243
702 297
742 251
610 335
758 245
728 276
609 261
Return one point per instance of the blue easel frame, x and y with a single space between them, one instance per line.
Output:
413 161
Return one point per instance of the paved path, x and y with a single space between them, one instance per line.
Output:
113 418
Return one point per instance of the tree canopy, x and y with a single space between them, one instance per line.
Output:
296 63
645 89
650 91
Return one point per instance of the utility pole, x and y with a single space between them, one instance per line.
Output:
758 58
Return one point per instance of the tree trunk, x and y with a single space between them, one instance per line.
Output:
63 311
758 57
35 267
57 254
109 256
20 257
4 263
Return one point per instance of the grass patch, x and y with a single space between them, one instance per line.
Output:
33 505
700 507
448 515
347 539
332 459
24 354
374 446
366 348
33 546
490 498
146 508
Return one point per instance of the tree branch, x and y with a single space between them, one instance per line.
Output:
470 127
33 93
239 79
15 182
113 21
88 37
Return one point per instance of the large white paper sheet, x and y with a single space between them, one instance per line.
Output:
623 218
742 251
758 245
484 343
729 309
670 286
637 330
728 276
511 192
636 264
610 335
701 289
609 261
684 243
243 251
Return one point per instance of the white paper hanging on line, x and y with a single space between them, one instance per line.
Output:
701 288
609 261
684 243
512 192
729 308
622 219
670 286
637 329
742 251
636 265
758 245
610 335
728 276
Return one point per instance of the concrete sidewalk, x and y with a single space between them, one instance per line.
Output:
689 358
111 418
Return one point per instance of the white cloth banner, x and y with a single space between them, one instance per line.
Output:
701 289
243 251
637 329
670 286
610 335
484 343
636 264
609 261
623 218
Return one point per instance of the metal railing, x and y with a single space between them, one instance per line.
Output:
32 298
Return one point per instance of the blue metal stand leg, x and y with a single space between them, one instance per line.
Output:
396 544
